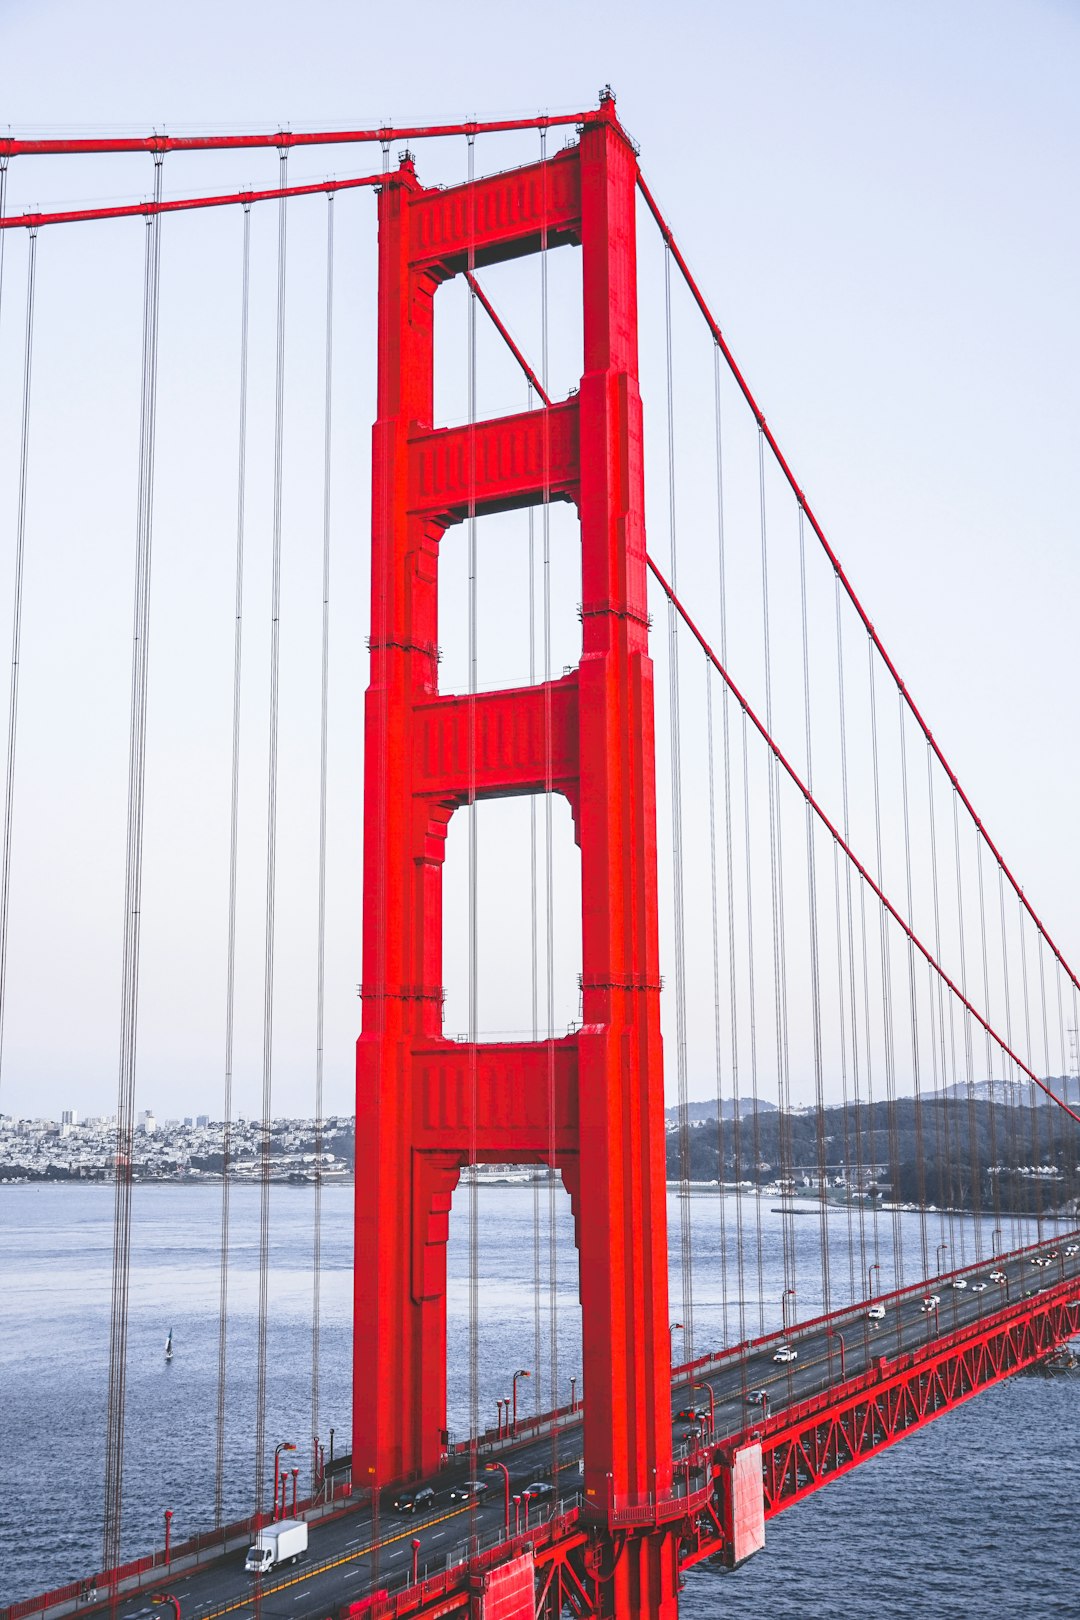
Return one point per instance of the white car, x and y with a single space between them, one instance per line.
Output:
978 1288
998 1277
930 1303
958 1282
786 1353
876 1313
1072 1248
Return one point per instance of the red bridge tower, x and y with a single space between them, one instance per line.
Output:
426 1106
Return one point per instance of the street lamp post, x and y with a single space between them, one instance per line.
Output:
491 1468
295 1472
788 1293
517 1514
283 1445
941 1248
415 1559
995 1239
168 1532
834 1333
870 1278
673 1328
573 1394
499 1404
522 1372
712 1405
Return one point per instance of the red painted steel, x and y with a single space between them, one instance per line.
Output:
10 146
179 205
427 1106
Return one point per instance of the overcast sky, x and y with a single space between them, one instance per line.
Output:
881 202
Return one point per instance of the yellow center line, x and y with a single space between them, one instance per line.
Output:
335 1563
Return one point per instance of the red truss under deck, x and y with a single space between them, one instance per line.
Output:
805 1447
802 1448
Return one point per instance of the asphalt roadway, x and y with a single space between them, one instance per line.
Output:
357 1553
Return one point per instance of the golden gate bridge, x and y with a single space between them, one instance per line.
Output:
780 881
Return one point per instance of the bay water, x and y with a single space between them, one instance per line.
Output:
976 1515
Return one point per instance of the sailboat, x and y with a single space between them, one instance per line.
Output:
168 1346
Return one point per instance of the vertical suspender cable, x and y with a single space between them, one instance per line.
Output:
16 629
534 963
995 1178
944 1194
886 987
679 907
234 806
129 997
860 1144
3 214
913 997
720 1155
474 964
755 1115
969 1056
271 850
815 956
549 826
1036 1151
1050 1111
324 708
729 855
783 1091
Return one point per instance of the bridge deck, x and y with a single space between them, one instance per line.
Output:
858 1385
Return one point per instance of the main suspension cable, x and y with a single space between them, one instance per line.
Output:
842 578
897 916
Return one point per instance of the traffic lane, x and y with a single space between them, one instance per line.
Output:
350 1538
358 1545
361 1550
906 1324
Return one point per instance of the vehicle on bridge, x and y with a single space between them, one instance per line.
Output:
275 1544
414 1501
468 1489
786 1352
876 1313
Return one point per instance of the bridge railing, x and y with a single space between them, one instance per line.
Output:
686 1371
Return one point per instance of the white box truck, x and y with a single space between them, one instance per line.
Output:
280 1543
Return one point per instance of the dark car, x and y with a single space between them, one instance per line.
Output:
690 1414
417 1501
468 1489
538 1488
